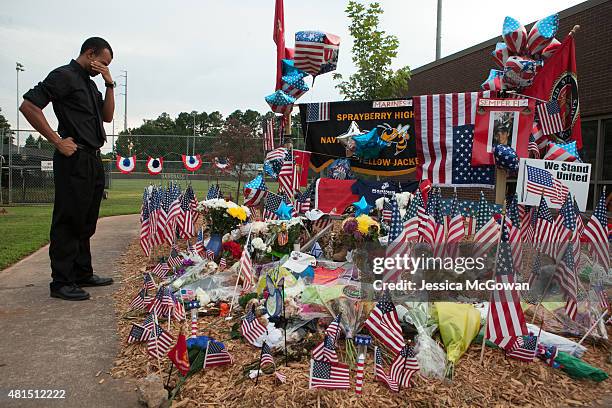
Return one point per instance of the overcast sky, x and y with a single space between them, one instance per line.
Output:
219 55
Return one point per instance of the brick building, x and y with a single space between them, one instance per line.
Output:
467 69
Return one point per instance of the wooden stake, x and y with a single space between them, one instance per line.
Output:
589 331
501 177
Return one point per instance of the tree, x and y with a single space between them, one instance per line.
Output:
5 129
31 142
373 51
234 145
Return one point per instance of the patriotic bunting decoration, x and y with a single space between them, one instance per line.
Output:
126 165
155 165
192 163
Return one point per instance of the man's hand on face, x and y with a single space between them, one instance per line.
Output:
67 147
102 69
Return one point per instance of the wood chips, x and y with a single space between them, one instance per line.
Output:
499 383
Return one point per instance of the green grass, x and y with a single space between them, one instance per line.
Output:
24 229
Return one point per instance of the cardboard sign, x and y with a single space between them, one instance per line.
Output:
553 180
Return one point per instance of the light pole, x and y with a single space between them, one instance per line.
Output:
125 77
19 68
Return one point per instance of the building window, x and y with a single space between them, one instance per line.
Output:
597 150
607 150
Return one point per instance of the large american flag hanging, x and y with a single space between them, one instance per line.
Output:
444 127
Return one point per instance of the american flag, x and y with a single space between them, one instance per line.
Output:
199 244
549 115
303 201
596 233
254 191
396 226
535 269
384 324
210 255
313 49
286 177
216 355
160 341
281 127
563 228
251 328
137 334
505 320
513 224
524 348
268 135
246 269
141 300
271 204
558 153
317 112
174 213
565 274
214 191
541 140
412 218
160 270
541 182
380 374
266 355
456 230
444 135
145 225
434 224
186 226
222 263
276 154
149 283
602 295
178 310
404 366
486 237
316 250
533 148
326 350
544 231
329 375
174 259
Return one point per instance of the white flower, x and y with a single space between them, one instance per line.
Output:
380 203
403 199
227 237
259 244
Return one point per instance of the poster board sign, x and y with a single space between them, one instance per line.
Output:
46 165
553 180
501 121
323 122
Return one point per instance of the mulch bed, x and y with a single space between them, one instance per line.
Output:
500 383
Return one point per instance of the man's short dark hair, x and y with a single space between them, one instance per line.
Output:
96 44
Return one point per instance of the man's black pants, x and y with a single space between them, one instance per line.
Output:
79 185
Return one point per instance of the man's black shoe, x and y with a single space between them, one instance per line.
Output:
96 280
69 293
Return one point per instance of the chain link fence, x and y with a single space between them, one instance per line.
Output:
26 163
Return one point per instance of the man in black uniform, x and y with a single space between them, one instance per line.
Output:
77 167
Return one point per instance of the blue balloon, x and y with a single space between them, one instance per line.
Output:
369 145
284 211
362 207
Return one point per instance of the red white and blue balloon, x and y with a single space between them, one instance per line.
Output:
154 165
521 55
192 163
316 52
126 165
280 102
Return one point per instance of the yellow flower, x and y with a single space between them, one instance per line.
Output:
237 212
364 222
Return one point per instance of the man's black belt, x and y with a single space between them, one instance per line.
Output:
90 150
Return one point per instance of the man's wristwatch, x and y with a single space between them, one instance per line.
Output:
110 84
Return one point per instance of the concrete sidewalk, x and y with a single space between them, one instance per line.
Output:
52 344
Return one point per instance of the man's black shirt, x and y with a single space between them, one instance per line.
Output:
77 103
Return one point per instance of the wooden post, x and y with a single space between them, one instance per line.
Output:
501 177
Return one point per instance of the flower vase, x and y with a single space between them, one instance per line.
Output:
214 244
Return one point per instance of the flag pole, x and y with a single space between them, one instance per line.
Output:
486 325
259 365
246 244
589 331
206 353
156 323
284 322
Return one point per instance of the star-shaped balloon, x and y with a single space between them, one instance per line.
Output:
284 211
362 207
353 130
368 145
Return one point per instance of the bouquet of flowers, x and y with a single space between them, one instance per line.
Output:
357 230
223 216
231 250
282 234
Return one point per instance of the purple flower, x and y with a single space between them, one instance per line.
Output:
188 262
350 226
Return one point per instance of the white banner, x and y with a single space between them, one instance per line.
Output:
553 179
